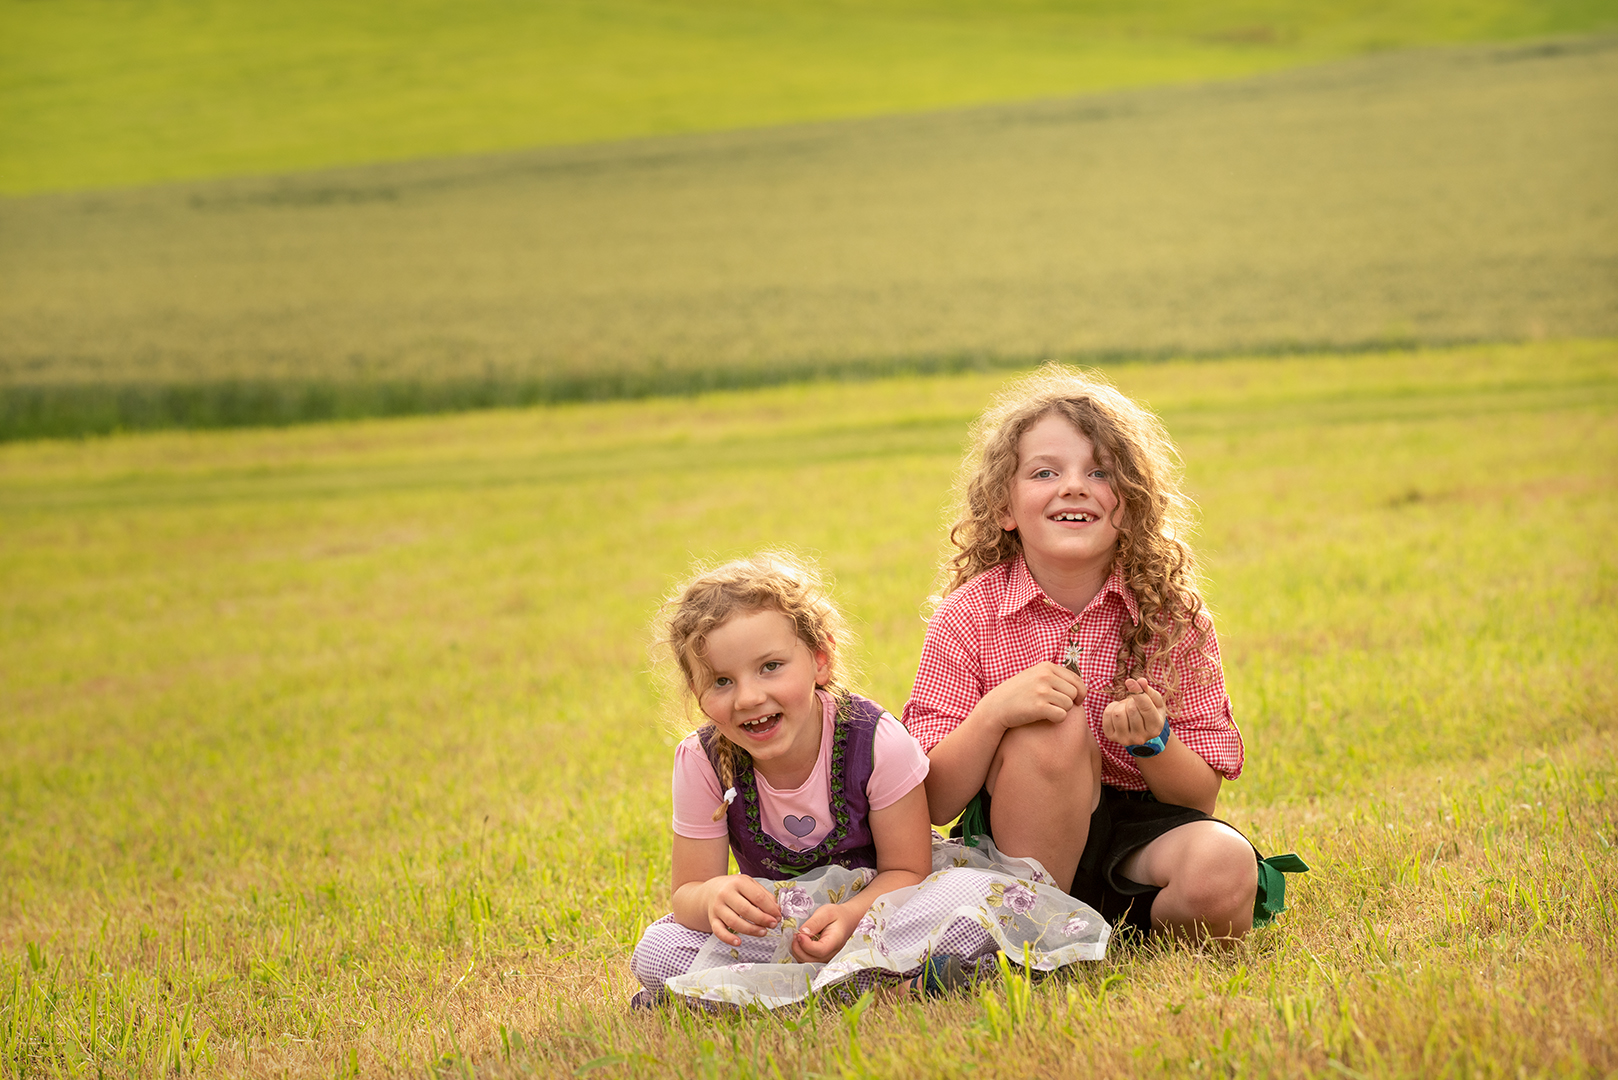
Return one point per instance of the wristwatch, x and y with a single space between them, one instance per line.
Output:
1153 746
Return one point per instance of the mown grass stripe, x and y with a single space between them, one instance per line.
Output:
34 411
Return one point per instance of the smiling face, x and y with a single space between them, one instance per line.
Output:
1062 503
761 693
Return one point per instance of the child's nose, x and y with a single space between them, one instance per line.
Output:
749 692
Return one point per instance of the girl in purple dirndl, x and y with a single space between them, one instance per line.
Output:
817 793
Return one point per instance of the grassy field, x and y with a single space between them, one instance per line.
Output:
94 94
1420 197
332 751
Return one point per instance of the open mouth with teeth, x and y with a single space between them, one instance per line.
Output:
1074 515
762 726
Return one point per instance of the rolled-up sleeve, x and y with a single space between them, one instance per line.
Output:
1201 716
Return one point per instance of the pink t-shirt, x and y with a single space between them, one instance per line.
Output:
799 818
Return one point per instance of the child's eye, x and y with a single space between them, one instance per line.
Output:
771 665
720 683
1101 474
1043 474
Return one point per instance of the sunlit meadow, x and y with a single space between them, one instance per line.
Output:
334 749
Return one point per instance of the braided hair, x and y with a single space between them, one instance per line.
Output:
769 581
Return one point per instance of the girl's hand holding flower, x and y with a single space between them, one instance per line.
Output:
737 904
1135 719
825 933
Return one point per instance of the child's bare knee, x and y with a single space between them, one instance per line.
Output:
1220 879
1062 751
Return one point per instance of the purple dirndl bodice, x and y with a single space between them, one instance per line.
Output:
850 844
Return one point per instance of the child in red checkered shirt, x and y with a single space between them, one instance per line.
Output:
1069 694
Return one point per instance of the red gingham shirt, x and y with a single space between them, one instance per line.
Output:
1001 623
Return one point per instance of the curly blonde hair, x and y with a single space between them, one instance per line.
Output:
1153 516
769 581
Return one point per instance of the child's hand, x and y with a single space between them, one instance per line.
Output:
740 905
824 933
1135 719
1043 692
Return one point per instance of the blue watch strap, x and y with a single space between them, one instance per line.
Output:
1153 746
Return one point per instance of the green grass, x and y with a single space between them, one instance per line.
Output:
332 749
95 94
1413 198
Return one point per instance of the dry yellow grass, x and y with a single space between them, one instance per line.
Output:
332 749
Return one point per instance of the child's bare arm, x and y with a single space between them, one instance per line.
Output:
1178 774
962 759
708 899
904 855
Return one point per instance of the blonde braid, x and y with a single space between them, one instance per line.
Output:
726 753
769 581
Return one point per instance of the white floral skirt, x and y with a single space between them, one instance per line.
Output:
976 902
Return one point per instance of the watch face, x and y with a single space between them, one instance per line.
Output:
1145 750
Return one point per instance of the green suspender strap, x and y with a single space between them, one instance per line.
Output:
972 823
1271 899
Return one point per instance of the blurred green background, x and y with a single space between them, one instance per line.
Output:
525 202
99 93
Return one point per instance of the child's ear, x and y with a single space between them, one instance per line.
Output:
823 663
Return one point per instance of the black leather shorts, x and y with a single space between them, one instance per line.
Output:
1123 822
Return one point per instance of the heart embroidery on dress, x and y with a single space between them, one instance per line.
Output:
799 826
